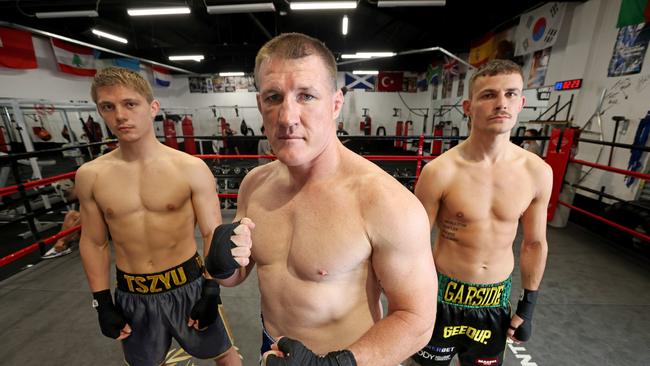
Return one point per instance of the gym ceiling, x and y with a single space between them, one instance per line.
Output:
229 42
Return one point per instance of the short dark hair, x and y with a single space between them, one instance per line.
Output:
295 46
493 68
533 132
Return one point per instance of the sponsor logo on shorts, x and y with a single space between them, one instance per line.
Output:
150 284
429 356
468 295
487 361
440 349
478 335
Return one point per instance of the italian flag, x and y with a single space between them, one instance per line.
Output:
74 59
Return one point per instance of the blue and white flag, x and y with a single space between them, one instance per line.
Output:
366 82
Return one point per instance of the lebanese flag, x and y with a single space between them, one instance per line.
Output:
161 76
16 49
389 81
74 59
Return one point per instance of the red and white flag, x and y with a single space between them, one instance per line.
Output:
74 59
16 49
390 81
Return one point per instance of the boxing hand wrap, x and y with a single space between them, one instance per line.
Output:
219 262
525 308
296 354
111 320
206 310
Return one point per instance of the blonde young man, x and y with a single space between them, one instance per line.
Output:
333 231
476 194
149 197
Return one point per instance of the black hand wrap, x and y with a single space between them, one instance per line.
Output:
220 263
111 320
206 310
296 354
525 308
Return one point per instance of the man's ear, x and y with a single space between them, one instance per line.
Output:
338 103
466 107
155 107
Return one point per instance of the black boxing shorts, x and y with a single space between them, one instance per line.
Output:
158 306
472 321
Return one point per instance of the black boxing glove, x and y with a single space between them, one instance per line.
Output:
525 308
111 319
296 354
219 262
206 310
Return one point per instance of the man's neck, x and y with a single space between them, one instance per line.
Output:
486 146
142 149
322 167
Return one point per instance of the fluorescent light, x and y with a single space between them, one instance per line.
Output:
323 5
240 8
100 34
396 3
158 11
236 73
67 14
365 72
344 29
196 58
368 55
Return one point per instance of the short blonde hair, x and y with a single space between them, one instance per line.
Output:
112 76
293 46
493 68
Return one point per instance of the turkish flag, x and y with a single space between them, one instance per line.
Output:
16 49
389 81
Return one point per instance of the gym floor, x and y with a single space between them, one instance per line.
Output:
594 309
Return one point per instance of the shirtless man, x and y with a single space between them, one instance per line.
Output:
333 230
149 198
475 194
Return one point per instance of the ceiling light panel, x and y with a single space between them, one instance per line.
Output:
322 5
240 8
158 11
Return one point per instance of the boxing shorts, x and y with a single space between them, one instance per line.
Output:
158 306
472 321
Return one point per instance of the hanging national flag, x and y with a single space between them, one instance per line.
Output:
633 12
433 74
74 59
161 76
365 82
451 66
481 50
16 49
389 81
127 63
539 28
423 82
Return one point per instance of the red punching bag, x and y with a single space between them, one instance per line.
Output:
408 128
3 143
169 129
436 146
399 127
222 128
362 126
188 132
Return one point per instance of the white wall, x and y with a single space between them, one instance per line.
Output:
53 86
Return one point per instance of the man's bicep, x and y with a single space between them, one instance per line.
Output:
535 217
429 192
204 198
402 259
92 222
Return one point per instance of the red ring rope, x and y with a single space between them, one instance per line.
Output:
608 222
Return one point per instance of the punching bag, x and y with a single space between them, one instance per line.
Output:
399 127
436 146
367 127
188 133
408 129
169 129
